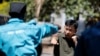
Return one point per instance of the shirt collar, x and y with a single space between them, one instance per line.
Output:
15 20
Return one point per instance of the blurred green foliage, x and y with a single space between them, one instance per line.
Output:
73 7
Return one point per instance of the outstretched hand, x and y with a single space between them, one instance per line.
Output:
54 39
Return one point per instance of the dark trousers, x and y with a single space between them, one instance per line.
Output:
56 50
39 49
2 53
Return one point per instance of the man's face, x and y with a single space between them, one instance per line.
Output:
69 31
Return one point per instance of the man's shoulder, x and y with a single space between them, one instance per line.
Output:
91 32
61 34
2 26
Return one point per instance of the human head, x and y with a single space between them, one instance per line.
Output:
70 28
17 10
92 20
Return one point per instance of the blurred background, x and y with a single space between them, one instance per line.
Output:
44 9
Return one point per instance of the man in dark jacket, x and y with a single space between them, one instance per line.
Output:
67 40
89 42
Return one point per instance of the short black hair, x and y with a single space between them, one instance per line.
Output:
71 23
17 10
